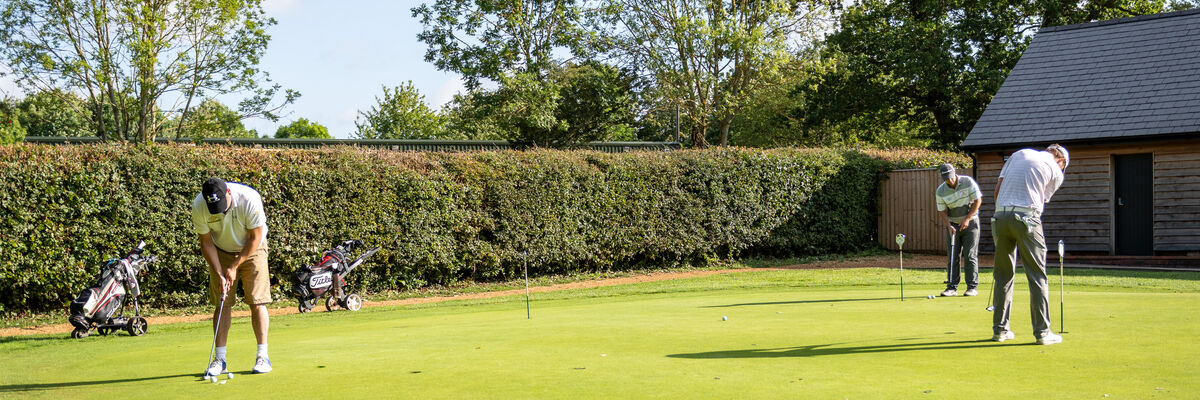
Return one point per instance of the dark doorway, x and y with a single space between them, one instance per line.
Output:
1134 202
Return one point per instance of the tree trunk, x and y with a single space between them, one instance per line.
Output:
725 122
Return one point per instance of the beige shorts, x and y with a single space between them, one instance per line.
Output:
253 273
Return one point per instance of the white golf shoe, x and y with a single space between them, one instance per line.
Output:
262 365
949 293
1002 336
217 367
1049 339
971 292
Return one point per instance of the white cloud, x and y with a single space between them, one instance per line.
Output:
446 92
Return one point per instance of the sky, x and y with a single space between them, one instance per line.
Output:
339 54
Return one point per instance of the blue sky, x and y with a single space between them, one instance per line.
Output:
338 54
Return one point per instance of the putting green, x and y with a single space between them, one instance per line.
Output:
789 334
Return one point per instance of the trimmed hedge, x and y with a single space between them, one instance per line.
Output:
440 217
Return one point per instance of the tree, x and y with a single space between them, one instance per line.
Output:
10 123
141 61
211 119
400 114
935 65
55 113
705 56
486 39
302 129
568 107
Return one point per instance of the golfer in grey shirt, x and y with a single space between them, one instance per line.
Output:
1027 181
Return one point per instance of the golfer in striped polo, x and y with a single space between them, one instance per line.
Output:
1027 181
958 201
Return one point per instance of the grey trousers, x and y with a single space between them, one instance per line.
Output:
1020 234
966 247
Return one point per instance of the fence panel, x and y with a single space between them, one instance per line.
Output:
907 206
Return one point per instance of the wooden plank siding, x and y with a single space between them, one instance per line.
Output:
1081 212
907 205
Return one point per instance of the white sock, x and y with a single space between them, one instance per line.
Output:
262 350
221 353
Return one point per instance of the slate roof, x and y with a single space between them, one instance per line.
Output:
1130 78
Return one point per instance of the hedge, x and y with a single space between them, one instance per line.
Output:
439 217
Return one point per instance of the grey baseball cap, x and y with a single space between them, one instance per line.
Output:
946 170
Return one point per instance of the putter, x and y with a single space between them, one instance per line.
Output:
212 350
527 315
991 306
1060 287
950 263
900 242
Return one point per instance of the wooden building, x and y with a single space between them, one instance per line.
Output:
1123 96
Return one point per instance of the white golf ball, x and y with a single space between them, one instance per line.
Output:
214 379
930 296
724 318
230 375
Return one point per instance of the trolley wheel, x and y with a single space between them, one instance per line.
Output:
332 303
104 331
305 306
136 326
353 302
79 333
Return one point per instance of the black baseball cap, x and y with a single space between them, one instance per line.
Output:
946 170
214 195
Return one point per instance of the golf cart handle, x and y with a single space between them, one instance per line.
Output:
358 261
138 249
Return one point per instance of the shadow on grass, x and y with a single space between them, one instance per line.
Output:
775 303
29 387
830 350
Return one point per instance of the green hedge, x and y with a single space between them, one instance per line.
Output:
440 217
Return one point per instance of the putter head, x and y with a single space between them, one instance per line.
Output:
991 308
1060 248
900 239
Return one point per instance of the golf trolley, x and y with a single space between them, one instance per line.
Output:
311 282
95 306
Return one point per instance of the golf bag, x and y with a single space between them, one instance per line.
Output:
96 306
311 282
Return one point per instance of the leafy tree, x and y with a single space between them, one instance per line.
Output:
124 56
302 129
568 107
487 39
10 123
400 114
211 119
706 56
55 113
934 66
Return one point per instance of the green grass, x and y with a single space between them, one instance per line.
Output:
789 334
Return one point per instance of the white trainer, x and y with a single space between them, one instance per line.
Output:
971 292
262 365
949 293
1002 336
217 367
1049 339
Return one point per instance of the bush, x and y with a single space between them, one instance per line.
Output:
440 217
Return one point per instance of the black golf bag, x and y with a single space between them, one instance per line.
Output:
311 282
96 306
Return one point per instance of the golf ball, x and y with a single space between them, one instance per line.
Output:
230 375
930 296
724 318
214 379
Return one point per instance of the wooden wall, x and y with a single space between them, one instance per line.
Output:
907 205
1081 212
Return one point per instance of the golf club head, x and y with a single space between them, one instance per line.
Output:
900 239
1060 248
991 308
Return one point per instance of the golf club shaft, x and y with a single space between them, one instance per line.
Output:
950 263
216 326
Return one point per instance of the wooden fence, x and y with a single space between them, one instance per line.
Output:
907 205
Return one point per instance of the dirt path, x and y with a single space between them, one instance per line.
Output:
917 261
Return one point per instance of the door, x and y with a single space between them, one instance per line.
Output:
1133 204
